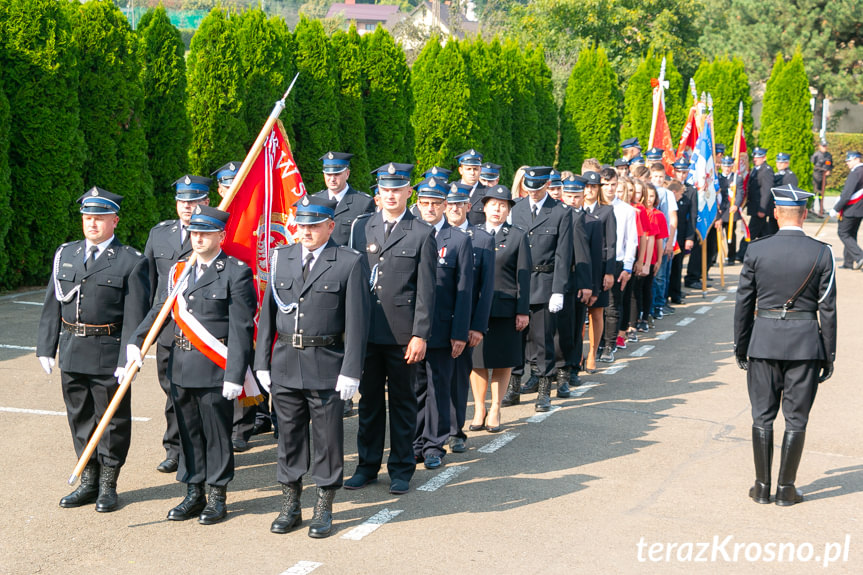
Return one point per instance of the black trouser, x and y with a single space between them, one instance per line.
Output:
459 392
204 418
540 339
86 398
693 268
564 337
731 240
627 305
675 278
847 230
614 309
243 421
644 295
387 376
793 383
433 387
323 409
171 439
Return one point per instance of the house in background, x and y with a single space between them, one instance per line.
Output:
444 19
366 17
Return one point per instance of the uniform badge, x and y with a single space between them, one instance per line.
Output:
232 167
306 201
373 248
441 261
94 192
434 170
432 182
391 169
442 254
453 188
330 156
472 153
197 209
187 181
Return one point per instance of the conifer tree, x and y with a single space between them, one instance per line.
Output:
500 77
638 100
590 115
525 119
216 92
38 62
316 121
546 109
352 124
726 81
5 183
167 125
786 119
481 107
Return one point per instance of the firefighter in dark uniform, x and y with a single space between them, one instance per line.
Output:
350 203
489 175
469 168
98 293
784 176
549 229
167 243
631 150
784 337
316 312
850 205
726 179
760 202
450 325
214 320
402 259
458 205
822 162
435 171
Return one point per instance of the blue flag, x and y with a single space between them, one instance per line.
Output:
702 176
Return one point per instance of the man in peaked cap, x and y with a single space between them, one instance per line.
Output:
470 169
214 320
727 178
350 202
225 175
489 174
760 202
98 293
631 148
622 167
784 337
437 172
654 155
784 176
850 206
168 242
822 162
402 258
310 350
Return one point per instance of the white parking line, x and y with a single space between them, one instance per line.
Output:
302 568
614 369
371 524
584 388
28 302
703 310
732 289
24 347
45 412
718 299
540 417
665 334
497 443
686 321
442 478
641 350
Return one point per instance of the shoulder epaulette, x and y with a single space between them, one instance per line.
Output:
166 223
350 250
133 250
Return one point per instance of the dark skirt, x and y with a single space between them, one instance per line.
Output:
501 347
601 299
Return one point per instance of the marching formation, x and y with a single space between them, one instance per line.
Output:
417 308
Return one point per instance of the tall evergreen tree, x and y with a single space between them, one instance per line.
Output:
638 99
725 79
38 62
477 58
216 93
546 109
525 118
5 183
112 104
166 122
352 124
590 115
499 78
786 118
388 105
266 53
442 117
316 122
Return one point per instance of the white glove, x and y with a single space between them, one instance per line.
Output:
119 373
47 364
833 213
347 386
264 379
133 355
231 391
555 304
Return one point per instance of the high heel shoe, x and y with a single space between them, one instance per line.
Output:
494 429
586 370
479 427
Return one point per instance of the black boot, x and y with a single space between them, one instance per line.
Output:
532 382
511 397
574 380
87 490
191 506
762 448
543 398
348 409
215 510
322 522
563 391
107 500
290 515
792 449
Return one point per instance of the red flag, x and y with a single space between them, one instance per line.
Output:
660 135
690 132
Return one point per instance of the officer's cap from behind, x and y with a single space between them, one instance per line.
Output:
208 219
783 157
498 192
637 161
654 154
458 193
314 210
191 188
394 175
336 162
535 177
226 174
437 172
574 184
620 162
554 180
727 161
789 195
469 158
97 201
630 143
851 155
432 187
681 164
490 171
759 153
719 148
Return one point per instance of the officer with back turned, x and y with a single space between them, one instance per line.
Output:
822 162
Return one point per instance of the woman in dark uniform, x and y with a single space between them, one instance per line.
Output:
501 349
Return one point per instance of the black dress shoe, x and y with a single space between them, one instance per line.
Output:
87 490
191 506
290 517
531 385
167 466
239 445
358 481
349 408
216 509
107 500
399 486
262 425
456 445
432 462
322 521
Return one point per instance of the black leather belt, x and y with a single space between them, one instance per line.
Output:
181 342
545 268
86 329
301 341
785 314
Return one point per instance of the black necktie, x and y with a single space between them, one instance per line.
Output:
534 213
388 227
307 265
94 251
184 235
202 269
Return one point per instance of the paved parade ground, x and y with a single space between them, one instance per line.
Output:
645 469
